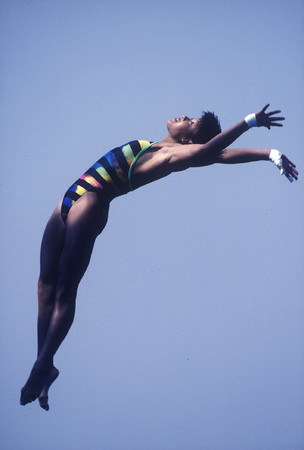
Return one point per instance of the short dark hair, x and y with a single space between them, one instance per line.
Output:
209 126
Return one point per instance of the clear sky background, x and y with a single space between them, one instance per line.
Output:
189 326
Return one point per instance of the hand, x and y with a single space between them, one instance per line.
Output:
265 120
288 169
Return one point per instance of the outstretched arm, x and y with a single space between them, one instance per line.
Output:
195 155
177 157
259 119
243 155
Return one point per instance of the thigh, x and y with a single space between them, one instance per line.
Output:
51 246
86 220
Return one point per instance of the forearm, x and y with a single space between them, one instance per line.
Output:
224 139
241 155
244 155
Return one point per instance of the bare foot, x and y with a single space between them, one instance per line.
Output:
34 385
43 397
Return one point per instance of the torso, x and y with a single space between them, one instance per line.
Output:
151 166
109 176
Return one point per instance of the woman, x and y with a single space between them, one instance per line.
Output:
82 215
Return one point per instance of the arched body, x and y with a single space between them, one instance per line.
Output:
81 216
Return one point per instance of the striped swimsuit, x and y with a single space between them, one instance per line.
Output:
110 176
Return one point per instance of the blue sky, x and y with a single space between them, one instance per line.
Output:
189 326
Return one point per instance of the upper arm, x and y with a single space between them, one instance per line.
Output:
193 155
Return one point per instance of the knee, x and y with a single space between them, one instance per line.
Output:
46 294
46 287
66 290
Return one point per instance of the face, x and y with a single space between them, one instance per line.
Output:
183 128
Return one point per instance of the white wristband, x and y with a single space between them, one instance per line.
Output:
251 120
276 157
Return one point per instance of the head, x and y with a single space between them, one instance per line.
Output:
209 126
194 131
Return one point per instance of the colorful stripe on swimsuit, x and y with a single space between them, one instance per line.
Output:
109 176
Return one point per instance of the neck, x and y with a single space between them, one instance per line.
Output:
168 140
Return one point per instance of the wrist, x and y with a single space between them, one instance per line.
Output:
276 158
251 120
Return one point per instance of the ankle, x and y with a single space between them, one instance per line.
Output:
43 364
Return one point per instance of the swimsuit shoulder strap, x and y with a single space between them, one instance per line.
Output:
134 161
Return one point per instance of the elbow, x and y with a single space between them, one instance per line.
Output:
208 158
220 156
